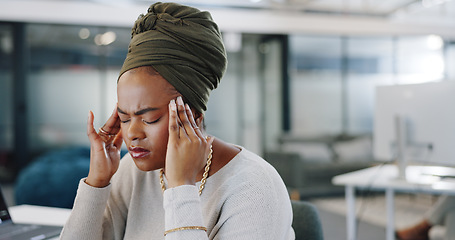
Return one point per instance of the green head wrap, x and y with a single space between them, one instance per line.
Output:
183 45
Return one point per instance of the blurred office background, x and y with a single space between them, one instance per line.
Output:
299 85
301 74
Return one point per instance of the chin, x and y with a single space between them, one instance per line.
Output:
147 165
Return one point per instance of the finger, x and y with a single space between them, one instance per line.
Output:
107 138
193 123
112 125
91 132
182 114
173 122
118 140
182 132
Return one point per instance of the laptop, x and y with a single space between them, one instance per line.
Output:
11 231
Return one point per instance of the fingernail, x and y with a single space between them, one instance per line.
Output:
187 106
173 108
179 100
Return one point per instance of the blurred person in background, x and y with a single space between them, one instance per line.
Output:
441 213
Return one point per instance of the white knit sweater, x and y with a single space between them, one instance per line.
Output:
246 199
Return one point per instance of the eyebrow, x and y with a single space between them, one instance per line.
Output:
140 112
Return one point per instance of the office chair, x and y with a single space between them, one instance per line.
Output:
52 178
306 222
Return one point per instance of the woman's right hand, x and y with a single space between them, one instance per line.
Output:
104 150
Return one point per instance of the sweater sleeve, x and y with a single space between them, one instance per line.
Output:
93 216
86 218
100 213
182 207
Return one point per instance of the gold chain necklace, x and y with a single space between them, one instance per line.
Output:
204 176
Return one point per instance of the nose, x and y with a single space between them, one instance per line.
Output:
135 130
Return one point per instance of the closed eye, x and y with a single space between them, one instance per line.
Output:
152 122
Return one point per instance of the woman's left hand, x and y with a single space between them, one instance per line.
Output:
187 148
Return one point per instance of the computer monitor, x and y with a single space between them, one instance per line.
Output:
419 116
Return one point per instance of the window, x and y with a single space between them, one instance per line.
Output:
74 69
315 85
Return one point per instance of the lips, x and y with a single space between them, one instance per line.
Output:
138 152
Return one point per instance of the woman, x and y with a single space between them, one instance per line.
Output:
176 182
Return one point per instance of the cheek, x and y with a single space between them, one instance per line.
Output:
160 132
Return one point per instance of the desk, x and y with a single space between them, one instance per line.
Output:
29 214
385 178
39 215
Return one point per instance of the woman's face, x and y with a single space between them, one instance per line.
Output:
143 98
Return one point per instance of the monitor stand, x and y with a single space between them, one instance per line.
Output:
401 137
420 174
417 174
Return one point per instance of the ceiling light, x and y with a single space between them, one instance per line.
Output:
84 33
6 44
105 38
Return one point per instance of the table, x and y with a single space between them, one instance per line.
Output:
424 179
30 214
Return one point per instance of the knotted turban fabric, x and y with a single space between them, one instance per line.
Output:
185 47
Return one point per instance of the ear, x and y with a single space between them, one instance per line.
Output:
198 117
